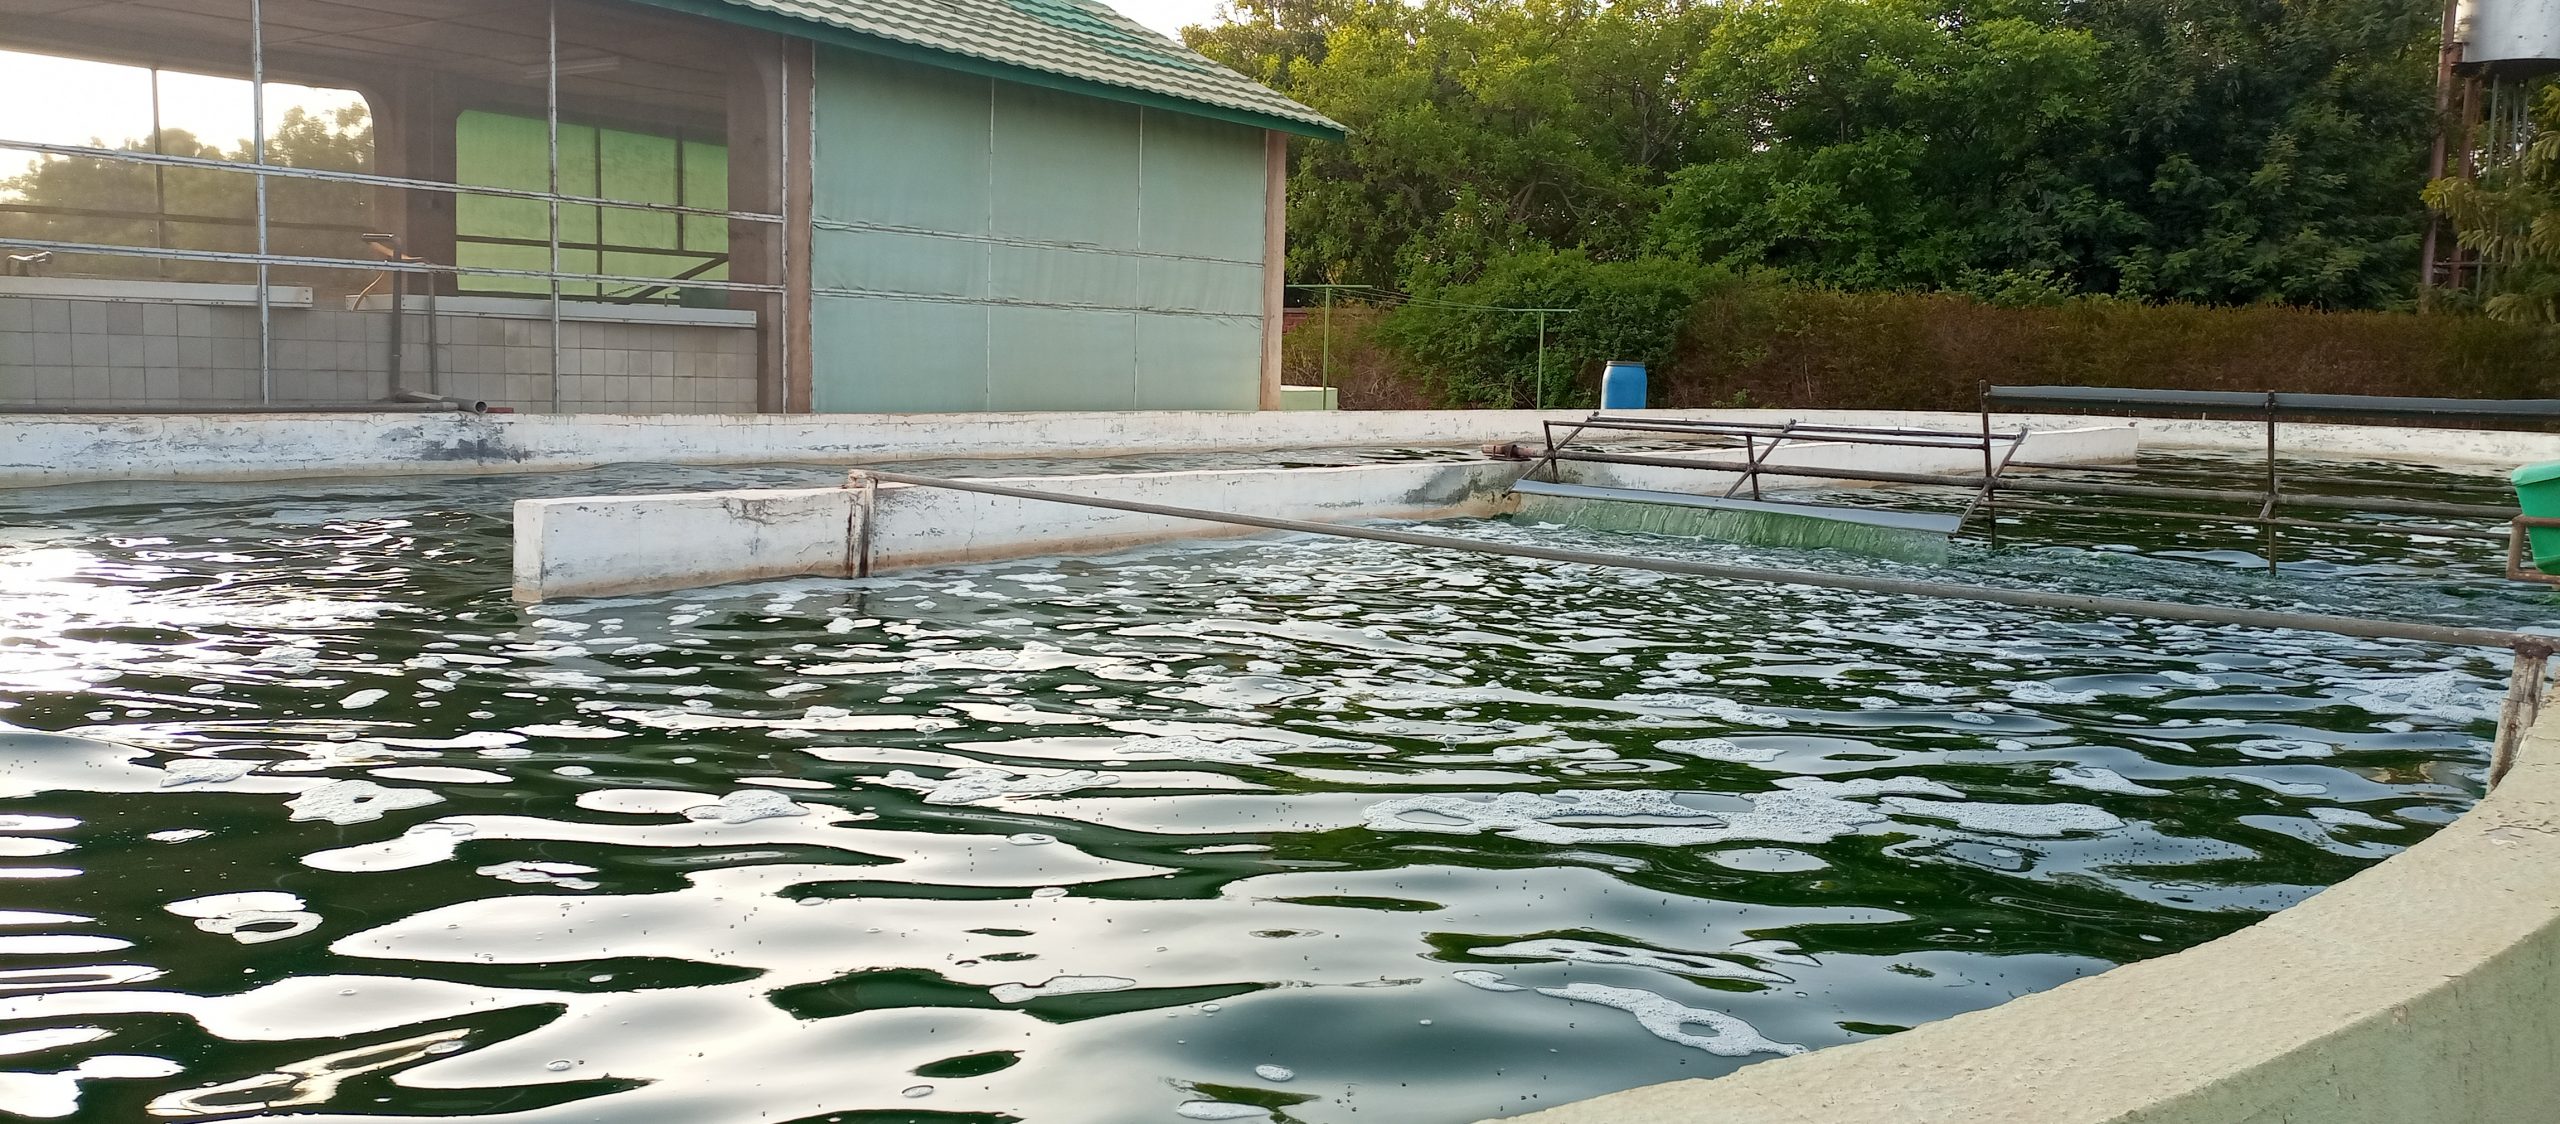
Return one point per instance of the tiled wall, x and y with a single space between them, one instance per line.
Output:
105 354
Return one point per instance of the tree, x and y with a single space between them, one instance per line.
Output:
112 202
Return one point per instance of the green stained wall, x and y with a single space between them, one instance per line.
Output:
980 245
506 150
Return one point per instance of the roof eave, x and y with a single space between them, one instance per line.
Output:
760 19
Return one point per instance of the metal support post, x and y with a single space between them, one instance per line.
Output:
2267 514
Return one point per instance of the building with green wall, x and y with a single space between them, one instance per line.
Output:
645 206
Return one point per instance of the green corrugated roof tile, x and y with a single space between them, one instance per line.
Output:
1074 39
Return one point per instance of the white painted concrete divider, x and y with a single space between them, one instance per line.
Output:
605 545
914 527
2424 990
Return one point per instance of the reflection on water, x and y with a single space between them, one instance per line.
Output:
300 816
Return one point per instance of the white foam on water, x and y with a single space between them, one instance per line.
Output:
364 698
1592 952
2349 817
2280 788
1218 1110
204 770
2033 821
982 783
1799 810
1719 749
249 916
569 730
746 805
1484 981
1059 985
2451 695
2279 749
476 739
1186 747
1708 706
2045 694
1275 1073
2096 779
1666 1020
354 802
563 875
440 774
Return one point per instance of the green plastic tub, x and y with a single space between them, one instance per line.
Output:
2538 494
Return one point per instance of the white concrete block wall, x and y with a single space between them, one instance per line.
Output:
60 353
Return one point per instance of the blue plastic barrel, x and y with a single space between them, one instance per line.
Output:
1622 386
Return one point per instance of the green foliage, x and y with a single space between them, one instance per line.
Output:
2223 152
2511 217
1474 344
106 202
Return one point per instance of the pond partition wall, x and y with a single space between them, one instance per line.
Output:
547 205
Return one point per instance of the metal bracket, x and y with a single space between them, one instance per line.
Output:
2516 569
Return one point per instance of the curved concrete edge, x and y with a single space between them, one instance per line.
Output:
2425 989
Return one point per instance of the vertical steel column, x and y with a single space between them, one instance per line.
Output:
551 97
1990 472
1542 359
258 169
2267 514
1324 364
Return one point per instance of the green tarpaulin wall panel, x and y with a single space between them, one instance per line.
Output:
981 245
505 150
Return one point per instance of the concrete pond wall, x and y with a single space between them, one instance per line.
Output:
70 448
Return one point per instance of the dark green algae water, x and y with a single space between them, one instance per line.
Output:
301 817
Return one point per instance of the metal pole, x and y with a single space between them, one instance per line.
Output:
1905 587
1324 368
1542 359
258 165
1990 475
2267 514
2448 53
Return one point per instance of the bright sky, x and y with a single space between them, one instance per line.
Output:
1167 16
75 101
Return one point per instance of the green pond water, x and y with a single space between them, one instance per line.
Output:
301 817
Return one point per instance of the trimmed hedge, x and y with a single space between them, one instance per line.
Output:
1811 348
1752 343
